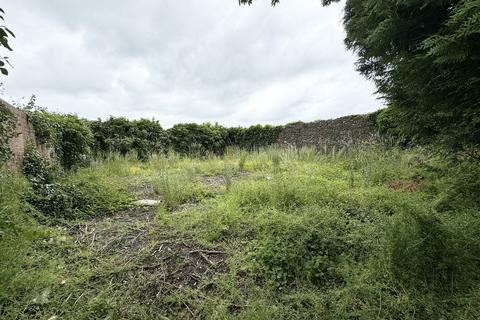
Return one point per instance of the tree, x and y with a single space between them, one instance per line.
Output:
424 57
5 33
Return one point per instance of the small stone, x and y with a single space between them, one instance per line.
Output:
147 203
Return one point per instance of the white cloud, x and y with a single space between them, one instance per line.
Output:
186 60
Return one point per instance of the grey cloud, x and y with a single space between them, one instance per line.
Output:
186 60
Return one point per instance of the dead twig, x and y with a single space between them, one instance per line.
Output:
188 308
79 298
207 251
93 239
206 259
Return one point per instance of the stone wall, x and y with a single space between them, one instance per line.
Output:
338 133
25 134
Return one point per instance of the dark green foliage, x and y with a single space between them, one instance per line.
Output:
387 123
425 60
66 200
423 254
74 139
70 136
149 138
459 187
424 57
5 33
196 139
307 252
120 135
201 139
253 137
7 131
113 135
35 168
43 123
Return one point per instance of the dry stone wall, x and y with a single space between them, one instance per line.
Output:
338 133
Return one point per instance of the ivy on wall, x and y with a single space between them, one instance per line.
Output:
7 131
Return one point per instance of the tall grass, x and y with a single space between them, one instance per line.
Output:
21 276
303 233
178 188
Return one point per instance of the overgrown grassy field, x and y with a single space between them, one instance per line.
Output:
373 233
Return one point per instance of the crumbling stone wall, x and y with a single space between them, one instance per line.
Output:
24 134
338 133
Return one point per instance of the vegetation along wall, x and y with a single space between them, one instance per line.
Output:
55 135
17 132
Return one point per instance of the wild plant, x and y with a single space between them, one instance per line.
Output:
242 160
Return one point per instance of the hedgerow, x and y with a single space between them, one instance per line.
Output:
120 135
253 137
192 138
75 139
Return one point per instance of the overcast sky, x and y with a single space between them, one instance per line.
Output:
185 60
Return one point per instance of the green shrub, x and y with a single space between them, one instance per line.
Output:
459 186
77 195
120 135
74 139
36 168
310 250
386 120
70 200
195 139
253 137
70 136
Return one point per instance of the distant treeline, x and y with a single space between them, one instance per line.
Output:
146 136
75 139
